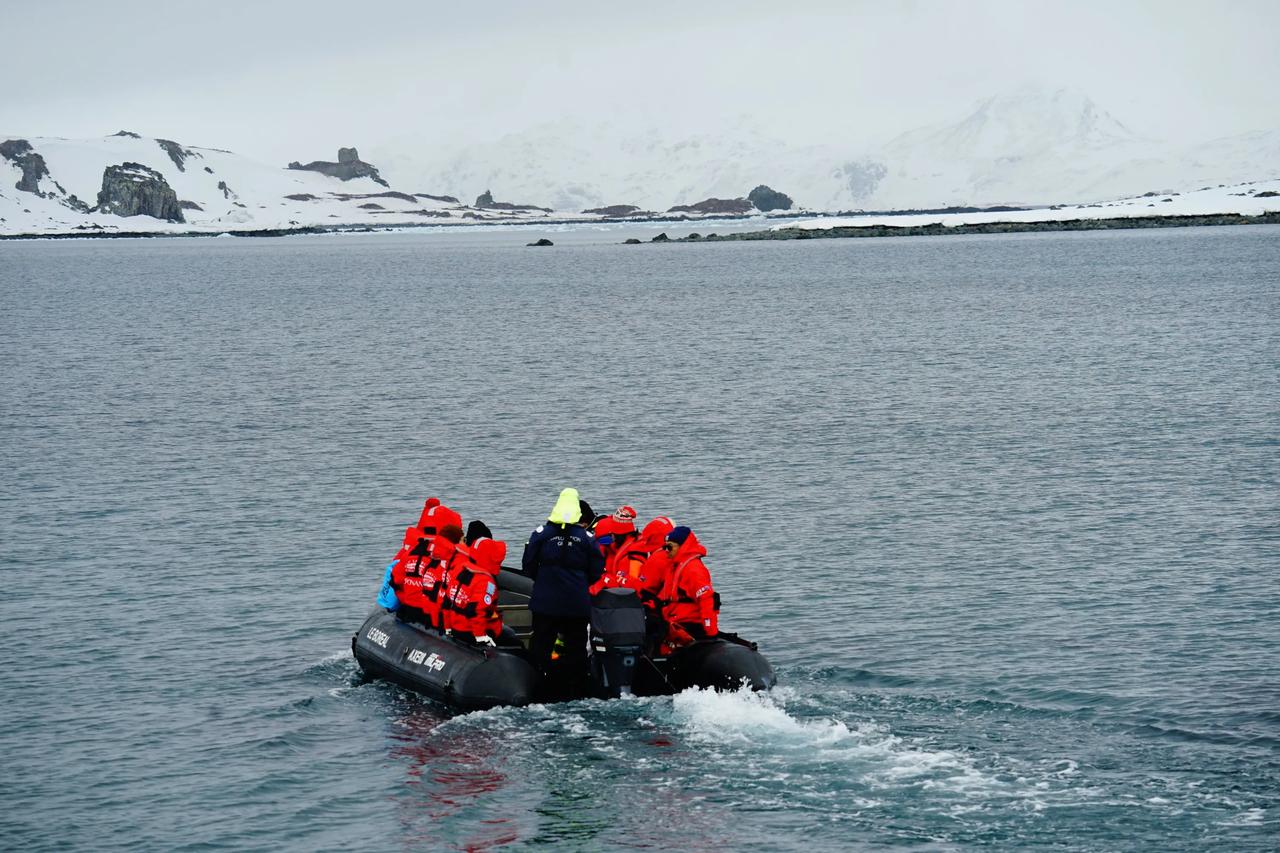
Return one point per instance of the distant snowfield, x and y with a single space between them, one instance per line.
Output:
1238 198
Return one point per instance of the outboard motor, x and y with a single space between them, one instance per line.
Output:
617 641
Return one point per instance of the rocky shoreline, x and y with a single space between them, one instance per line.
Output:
935 229
931 230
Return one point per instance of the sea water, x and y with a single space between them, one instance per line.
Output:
1001 510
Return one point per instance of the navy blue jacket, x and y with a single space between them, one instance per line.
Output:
563 562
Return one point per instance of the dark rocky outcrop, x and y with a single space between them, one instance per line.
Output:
614 210
128 133
542 241
20 153
189 205
372 206
348 167
132 189
731 206
631 241
447 199
485 202
207 169
661 238
176 153
1267 194
302 197
227 192
362 196
767 198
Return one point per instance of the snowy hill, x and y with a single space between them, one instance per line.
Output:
49 185
1030 147
1250 199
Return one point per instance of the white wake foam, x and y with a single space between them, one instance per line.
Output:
867 750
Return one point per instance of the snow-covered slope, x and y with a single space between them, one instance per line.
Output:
1029 147
1253 198
224 191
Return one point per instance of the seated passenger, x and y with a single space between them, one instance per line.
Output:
690 604
625 567
446 551
392 580
387 595
476 530
655 565
417 578
613 533
473 593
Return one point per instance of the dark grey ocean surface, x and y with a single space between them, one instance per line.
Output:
1002 510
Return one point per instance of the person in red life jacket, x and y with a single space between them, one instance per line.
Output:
612 533
655 566
689 601
416 578
473 592
447 551
624 568
406 577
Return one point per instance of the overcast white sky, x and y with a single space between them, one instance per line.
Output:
292 80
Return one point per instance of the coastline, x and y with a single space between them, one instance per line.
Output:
1004 227
933 229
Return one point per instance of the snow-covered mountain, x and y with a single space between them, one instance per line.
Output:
1030 147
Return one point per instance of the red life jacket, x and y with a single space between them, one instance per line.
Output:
473 590
688 595
411 537
407 578
626 567
434 568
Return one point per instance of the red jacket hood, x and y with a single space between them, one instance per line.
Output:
426 508
653 535
439 516
489 554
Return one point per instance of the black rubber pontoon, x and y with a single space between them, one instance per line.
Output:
474 677
469 676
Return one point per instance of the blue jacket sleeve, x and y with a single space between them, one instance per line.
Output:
532 551
595 560
387 595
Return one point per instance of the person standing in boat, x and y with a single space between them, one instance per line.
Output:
564 561
690 604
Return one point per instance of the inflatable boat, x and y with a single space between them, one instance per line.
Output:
473 676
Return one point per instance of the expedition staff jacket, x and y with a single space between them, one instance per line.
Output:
689 596
564 561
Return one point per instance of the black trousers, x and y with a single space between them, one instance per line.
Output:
573 657
408 613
